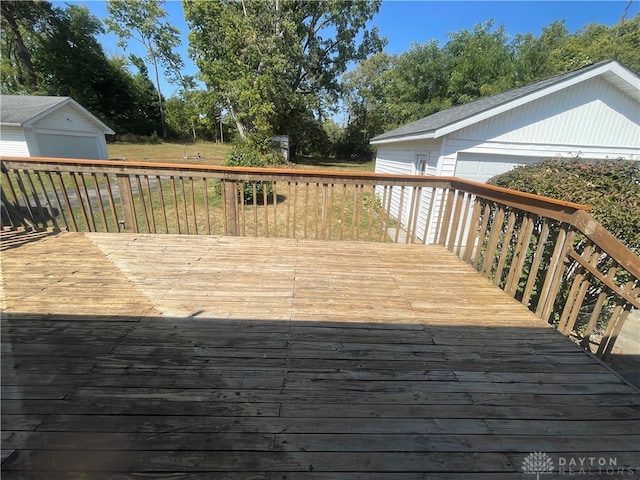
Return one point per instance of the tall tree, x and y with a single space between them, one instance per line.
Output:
141 20
274 60
366 88
22 24
481 62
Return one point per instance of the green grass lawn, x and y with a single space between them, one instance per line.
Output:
170 152
214 153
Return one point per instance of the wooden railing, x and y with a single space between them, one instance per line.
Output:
550 255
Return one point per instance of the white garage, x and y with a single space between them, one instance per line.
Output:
592 113
39 126
480 168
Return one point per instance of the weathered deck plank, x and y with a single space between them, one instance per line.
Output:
175 357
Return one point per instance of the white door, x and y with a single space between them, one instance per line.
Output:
68 146
480 167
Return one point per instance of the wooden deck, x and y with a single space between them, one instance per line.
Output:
179 357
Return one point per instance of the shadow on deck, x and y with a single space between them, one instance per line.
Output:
134 356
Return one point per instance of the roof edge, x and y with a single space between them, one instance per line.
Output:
572 78
63 102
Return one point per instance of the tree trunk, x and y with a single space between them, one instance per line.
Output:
242 128
160 104
22 54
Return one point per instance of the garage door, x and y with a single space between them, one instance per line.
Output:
67 146
481 168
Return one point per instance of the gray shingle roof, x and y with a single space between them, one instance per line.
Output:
18 109
452 115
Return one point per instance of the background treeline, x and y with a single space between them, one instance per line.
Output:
279 68
386 91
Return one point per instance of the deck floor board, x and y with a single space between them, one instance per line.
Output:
176 357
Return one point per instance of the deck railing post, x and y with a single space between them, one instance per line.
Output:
230 190
126 196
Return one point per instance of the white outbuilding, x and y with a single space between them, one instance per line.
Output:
40 126
592 114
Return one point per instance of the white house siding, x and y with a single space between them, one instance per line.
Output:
403 159
66 118
590 114
12 142
66 132
32 142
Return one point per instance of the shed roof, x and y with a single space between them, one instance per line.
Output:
455 118
22 110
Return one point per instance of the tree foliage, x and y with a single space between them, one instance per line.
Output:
141 20
54 51
274 62
475 63
611 188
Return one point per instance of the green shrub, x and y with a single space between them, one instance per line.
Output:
257 153
611 188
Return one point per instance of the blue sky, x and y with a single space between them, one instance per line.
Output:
405 22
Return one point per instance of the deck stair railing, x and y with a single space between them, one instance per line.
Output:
550 255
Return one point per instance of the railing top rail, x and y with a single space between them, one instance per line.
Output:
491 192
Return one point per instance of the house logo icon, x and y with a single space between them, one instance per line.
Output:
537 463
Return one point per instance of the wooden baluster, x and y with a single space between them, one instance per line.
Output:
126 196
184 203
65 195
163 207
79 199
492 244
275 210
619 316
455 222
506 247
89 206
205 197
535 263
295 210
27 200
145 215
429 220
265 202
343 208
372 213
355 218
577 292
176 209
57 197
386 209
482 235
112 205
103 215
519 255
50 208
462 224
597 309
472 231
412 206
193 205
555 272
306 208
230 207
400 212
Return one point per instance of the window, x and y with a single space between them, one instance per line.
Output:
426 164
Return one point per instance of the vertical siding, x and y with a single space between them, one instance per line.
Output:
66 118
400 159
593 112
12 142
32 142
